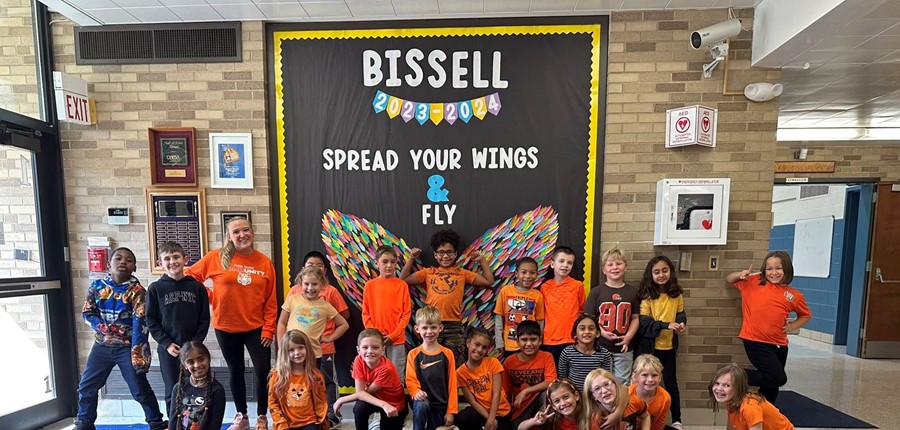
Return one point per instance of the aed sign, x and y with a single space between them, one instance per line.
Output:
72 101
691 125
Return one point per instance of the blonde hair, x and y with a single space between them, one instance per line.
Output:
227 250
428 315
313 271
282 368
592 408
613 253
646 361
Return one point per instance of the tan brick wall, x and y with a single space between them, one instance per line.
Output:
18 220
18 76
851 160
651 69
108 165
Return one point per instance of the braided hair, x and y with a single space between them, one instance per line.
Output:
181 412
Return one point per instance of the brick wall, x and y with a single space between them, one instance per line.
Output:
851 160
18 77
18 223
651 69
108 165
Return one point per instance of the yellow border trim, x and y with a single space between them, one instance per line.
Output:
592 29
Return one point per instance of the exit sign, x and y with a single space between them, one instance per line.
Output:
72 101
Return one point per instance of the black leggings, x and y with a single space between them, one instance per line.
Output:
232 345
667 358
470 419
769 361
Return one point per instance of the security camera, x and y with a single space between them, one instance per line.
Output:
709 36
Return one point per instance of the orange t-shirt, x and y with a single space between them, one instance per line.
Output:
444 289
632 415
304 403
480 382
520 375
766 308
383 375
658 408
242 297
515 306
562 303
332 296
386 307
753 411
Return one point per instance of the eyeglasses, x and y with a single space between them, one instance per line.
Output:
444 253
604 386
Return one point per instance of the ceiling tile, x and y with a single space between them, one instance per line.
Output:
221 2
112 16
96 4
890 9
838 43
837 69
240 12
881 43
867 26
134 3
858 56
196 13
416 7
880 69
183 2
552 5
326 9
280 11
506 6
605 5
644 4
364 8
736 3
461 6
153 14
690 4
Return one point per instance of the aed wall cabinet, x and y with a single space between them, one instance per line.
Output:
691 211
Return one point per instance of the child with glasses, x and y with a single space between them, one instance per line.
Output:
444 285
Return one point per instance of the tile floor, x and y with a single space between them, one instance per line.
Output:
865 389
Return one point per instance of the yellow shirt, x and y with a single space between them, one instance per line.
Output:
663 308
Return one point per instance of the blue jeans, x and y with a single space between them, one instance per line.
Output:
100 363
427 417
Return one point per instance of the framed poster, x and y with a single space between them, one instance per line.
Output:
173 156
228 216
231 160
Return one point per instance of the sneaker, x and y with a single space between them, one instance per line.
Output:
240 422
162 425
334 423
676 425
262 423
84 425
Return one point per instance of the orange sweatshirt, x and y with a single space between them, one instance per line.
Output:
242 297
386 307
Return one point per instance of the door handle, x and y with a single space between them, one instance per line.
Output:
880 278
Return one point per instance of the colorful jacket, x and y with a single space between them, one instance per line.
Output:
116 313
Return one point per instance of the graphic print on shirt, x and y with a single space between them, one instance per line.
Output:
297 396
520 308
446 279
480 384
306 316
194 408
614 317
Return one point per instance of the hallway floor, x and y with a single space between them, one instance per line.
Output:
865 389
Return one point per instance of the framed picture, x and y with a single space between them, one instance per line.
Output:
228 216
173 156
231 160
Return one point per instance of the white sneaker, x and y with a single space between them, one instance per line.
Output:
676 425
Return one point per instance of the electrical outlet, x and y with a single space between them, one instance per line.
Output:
713 262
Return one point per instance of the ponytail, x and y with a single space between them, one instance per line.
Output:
225 254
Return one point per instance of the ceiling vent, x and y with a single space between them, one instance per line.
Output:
159 43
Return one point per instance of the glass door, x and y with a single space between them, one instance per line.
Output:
36 311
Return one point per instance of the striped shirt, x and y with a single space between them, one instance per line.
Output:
575 365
